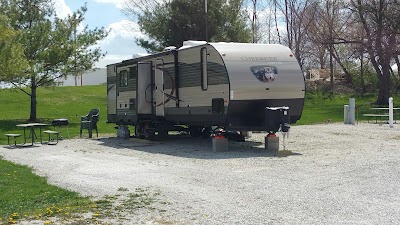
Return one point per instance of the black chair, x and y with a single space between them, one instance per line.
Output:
89 122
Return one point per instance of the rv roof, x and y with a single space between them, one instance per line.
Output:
188 44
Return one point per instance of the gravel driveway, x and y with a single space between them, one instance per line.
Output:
332 174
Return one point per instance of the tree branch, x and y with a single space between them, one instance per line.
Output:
38 84
20 88
50 80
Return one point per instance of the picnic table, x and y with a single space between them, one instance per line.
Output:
31 127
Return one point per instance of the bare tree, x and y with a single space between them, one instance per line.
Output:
254 20
256 10
379 19
276 5
299 17
335 32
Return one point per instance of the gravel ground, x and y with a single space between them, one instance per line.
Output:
331 174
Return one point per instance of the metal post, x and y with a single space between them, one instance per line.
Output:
352 111
391 112
346 114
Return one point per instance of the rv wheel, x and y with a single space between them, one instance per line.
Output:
139 131
148 133
206 132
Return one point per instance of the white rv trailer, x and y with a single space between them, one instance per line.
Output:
202 85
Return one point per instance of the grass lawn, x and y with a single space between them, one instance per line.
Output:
25 195
322 108
53 103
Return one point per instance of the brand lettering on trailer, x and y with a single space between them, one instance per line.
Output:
258 59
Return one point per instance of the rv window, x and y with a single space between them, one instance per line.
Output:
123 78
204 76
132 72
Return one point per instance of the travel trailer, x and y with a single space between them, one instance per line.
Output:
233 86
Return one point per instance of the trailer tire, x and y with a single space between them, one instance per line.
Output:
139 131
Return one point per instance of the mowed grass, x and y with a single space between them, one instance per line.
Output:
322 108
25 195
53 103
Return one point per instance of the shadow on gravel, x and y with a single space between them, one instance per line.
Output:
190 147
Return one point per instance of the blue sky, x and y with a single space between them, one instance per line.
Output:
120 43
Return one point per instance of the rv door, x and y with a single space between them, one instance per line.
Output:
144 90
158 95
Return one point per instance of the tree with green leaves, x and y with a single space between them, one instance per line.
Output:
169 23
12 59
51 45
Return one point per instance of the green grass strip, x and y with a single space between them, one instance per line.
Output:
25 195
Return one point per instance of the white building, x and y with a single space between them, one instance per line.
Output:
96 77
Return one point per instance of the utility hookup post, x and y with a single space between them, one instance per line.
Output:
352 111
272 143
391 112
346 114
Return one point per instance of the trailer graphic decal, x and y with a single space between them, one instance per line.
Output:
264 73
170 96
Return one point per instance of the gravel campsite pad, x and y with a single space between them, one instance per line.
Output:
330 174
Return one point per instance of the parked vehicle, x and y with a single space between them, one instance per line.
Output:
203 85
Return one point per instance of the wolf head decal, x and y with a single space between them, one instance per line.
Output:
264 73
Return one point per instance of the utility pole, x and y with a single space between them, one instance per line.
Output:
254 20
206 18
75 63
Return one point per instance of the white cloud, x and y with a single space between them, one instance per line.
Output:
62 10
110 59
125 29
120 42
117 3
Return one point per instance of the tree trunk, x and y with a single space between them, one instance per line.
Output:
347 74
276 23
33 117
396 59
384 86
321 57
362 73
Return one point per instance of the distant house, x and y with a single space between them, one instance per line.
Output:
96 77
323 74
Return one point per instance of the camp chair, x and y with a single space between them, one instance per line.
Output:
89 122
